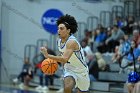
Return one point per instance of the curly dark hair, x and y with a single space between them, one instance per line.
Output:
69 21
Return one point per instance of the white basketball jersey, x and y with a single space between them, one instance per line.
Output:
77 62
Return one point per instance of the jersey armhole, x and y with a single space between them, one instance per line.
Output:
77 43
78 46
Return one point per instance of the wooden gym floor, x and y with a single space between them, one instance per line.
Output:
16 89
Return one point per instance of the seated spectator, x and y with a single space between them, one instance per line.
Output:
122 49
102 48
26 74
129 58
116 55
136 36
87 50
93 70
112 41
99 38
48 78
101 62
96 65
128 29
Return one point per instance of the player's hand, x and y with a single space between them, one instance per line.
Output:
44 51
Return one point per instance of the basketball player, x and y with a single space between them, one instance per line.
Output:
75 68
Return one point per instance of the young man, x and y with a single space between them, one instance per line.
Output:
75 68
25 75
47 78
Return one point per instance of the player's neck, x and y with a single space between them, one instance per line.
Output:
65 39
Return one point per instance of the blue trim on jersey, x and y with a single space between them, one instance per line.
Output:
63 45
80 59
81 55
83 59
57 42
79 47
81 90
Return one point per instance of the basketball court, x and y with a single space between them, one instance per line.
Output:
16 89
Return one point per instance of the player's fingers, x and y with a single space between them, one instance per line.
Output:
42 48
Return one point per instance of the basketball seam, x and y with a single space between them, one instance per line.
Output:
51 66
47 67
47 64
55 67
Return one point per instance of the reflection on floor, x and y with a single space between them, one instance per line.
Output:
14 90
17 89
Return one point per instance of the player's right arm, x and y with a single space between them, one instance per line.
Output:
70 47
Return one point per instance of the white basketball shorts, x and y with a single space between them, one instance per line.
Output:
82 79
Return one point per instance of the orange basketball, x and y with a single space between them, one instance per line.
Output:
49 66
